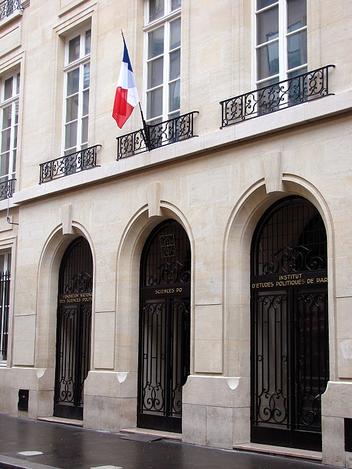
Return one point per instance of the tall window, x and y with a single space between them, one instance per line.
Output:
9 103
5 267
281 40
77 81
163 59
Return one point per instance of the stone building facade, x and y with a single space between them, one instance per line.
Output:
192 275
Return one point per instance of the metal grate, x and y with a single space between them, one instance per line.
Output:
289 331
164 354
4 312
73 329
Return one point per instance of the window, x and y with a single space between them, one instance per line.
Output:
163 59
281 40
9 104
77 82
5 267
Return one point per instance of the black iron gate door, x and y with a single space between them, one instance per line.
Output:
164 327
73 329
289 325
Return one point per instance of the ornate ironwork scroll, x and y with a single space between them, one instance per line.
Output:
7 7
289 330
7 188
69 164
302 88
157 135
164 340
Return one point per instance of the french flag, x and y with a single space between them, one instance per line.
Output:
126 96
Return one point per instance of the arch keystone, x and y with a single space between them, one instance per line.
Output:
153 199
66 219
272 168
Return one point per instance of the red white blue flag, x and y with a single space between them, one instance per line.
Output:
126 96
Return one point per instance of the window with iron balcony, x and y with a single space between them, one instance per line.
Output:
280 63
162 79
9 108
77 155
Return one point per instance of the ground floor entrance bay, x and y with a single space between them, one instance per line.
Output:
73 337
164 327
289 325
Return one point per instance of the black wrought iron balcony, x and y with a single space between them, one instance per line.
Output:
7 188
7 7
70 164
300 89
157 135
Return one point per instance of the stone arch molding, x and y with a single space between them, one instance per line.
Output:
47 287
237 246
127 273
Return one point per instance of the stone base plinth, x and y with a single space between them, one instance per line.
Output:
216 411
110 400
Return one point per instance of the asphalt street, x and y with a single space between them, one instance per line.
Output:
38 445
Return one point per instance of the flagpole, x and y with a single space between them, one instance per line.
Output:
145 125
145 128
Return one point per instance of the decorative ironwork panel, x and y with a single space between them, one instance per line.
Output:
7 188
153 355
5 278
73 329
131 144
302 88
292 240
169 259
7 7
157 135
70 164
164 348
312 372
271 360
289 331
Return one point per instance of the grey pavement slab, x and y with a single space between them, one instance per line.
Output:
71 447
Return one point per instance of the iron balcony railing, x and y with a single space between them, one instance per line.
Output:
69 164
7 7
300 89
157 135
7 188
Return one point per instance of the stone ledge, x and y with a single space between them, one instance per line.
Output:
197 146
280 451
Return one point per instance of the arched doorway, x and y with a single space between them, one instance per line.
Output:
74 315
289 325
164 327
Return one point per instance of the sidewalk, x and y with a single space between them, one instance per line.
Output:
62 446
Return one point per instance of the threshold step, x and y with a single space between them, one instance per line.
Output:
153 433
280 450
75 423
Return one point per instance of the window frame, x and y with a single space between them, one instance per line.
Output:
165 20
282 40
14 102
83 59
